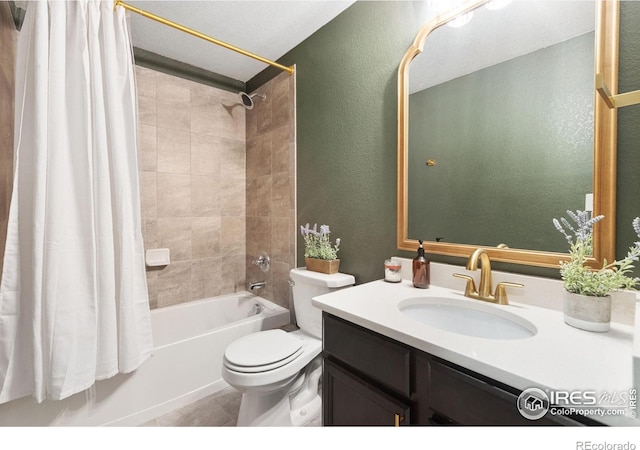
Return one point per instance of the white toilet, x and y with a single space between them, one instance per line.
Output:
278 372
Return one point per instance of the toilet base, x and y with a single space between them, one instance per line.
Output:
302 416
293 405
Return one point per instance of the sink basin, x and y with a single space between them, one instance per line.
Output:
470 319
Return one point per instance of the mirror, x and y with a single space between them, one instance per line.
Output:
495 138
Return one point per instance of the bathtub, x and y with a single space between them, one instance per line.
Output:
189 343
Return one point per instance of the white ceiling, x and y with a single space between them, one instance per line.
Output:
266 28
270 28
492 37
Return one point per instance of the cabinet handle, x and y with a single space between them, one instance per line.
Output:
397 420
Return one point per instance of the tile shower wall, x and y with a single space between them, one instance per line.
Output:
8 37
271 218
191 155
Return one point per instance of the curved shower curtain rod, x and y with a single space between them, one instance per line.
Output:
195 33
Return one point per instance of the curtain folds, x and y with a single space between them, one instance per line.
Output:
73 297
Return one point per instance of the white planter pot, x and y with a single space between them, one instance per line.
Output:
586 312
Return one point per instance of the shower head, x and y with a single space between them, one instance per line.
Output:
247 100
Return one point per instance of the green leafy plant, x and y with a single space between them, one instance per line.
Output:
581 279
317 243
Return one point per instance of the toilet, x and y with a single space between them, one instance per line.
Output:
278 372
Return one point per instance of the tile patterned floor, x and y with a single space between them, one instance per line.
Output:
216 410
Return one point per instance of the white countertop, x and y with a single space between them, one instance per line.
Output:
557 357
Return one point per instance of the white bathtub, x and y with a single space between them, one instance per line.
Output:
189 343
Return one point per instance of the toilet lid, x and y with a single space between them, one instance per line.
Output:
264 368
264 350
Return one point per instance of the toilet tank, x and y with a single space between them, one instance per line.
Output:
306 285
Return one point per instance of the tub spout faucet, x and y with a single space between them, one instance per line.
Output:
257 285
484 293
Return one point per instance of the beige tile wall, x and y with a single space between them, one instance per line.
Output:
8 37
271 219
191 148
215 203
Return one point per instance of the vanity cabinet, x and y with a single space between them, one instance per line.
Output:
369 379
355 401
366 377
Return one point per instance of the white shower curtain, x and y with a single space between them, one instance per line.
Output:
73 299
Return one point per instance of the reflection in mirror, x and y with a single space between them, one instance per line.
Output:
498 131
504 107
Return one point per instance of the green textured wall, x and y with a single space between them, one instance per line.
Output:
628 192
513 145
346 129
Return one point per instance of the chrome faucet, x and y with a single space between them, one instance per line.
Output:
500 296
257 285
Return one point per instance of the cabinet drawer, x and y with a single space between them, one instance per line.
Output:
351 401
381 359
465 399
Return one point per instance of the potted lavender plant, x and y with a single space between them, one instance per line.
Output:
587 299
319 254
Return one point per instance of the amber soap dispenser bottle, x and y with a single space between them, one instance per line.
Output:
420 269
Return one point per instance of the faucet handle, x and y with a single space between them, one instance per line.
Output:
471 284
501 291
263 261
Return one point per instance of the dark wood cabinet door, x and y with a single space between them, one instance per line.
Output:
377 357
350 401
459 396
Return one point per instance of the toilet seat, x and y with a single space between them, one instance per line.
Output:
262 368
265 379
262 351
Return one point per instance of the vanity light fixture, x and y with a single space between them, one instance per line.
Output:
439 6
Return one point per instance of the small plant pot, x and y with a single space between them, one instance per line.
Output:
328 266
586 312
